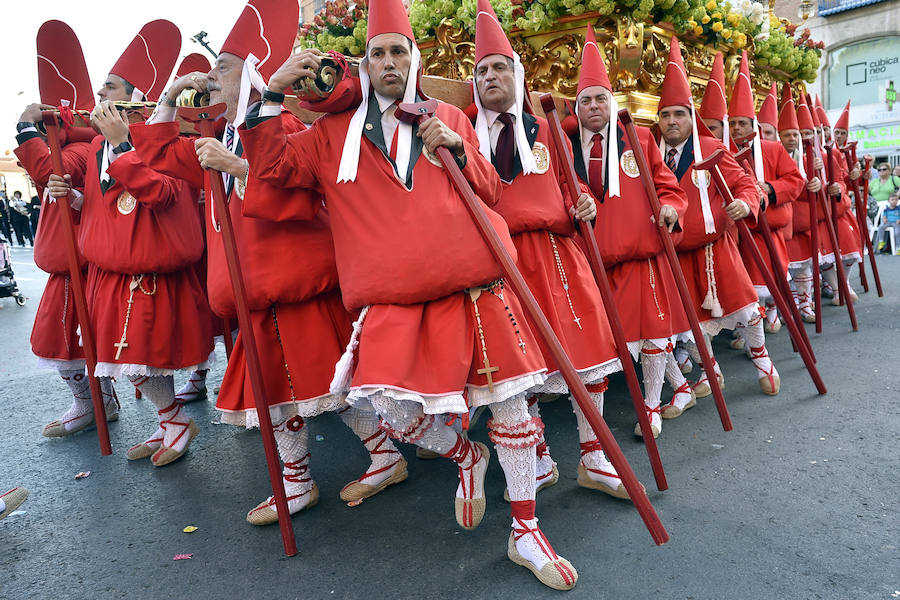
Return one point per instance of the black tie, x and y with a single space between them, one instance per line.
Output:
506 148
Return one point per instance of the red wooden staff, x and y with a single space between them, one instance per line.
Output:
843 290
711 165
809 167
865 240
675 265
746 160
421 111
75 276
204 117
609 304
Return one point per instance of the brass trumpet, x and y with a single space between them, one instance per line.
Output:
330 72
192 98
83 117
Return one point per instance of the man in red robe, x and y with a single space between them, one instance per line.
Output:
778 178
626 229
288 263
439 332
721 289
54 336
141 299
536 209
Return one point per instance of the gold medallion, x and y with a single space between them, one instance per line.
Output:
629 164
541 157
695 178
126 203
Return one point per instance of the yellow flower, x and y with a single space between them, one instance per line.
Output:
717 15
698 30
711 5
705 19
717 26
692 23
740 40
726 33
734 19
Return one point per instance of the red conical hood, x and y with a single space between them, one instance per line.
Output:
149 59
843 121
267 30
676 91
768 112
489 35
804 117
812 112
193 63
593 70
62 72
787 118
742 104
787 94
821 114
713 105
386 16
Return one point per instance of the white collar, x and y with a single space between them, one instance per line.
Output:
587 136
680 147
384 102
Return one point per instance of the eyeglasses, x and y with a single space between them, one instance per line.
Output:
882 169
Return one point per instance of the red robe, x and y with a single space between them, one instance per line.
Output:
408 253
54 334
143 223
641 278
536 211
781 173
287 260
698 249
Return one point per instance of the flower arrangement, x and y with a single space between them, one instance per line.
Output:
340 26
798 57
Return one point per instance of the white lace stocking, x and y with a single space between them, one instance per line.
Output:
585 433
519 464
382 451
173 422
403 415
292 439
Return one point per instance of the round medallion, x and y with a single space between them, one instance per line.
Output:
126 203
629 164
541 157
696 179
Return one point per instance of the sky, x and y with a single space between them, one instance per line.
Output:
104 30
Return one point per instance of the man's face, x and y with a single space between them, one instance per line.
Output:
840 136
675 124
113 89
790 138
389 57
593 108
225 83
17 195
715 127
768 132
740 127
496 82
826 131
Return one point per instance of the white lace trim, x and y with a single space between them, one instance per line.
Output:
661 343
555 383
435 404
738 318
828 259
313 407
105 369
60 365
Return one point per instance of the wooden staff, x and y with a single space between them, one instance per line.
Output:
746 160
672 257
204 117
711 164
419 112
843 290
609 303
75 276
861 201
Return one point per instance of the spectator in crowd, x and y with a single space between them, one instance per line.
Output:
4 219
896 172
890 219
885 184
35 208
19 216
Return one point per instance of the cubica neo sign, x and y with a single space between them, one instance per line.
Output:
861 71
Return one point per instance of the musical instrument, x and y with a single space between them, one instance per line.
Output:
136 111
334 67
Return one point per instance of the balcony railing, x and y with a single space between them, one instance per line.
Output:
830 7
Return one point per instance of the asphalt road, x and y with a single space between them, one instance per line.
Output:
798 502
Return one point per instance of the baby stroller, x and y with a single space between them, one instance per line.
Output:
8 287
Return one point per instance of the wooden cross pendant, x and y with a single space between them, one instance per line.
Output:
120 345
487 371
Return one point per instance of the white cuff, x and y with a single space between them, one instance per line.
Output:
269 110
77 199
163 114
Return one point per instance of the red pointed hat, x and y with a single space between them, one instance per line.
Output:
821 114
843 121
676 91
385 16
593 70
787 117
812 112
768 112
804 117
266 29
742 104
149 59
787 94
62 72
489 35
714 105
193 63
